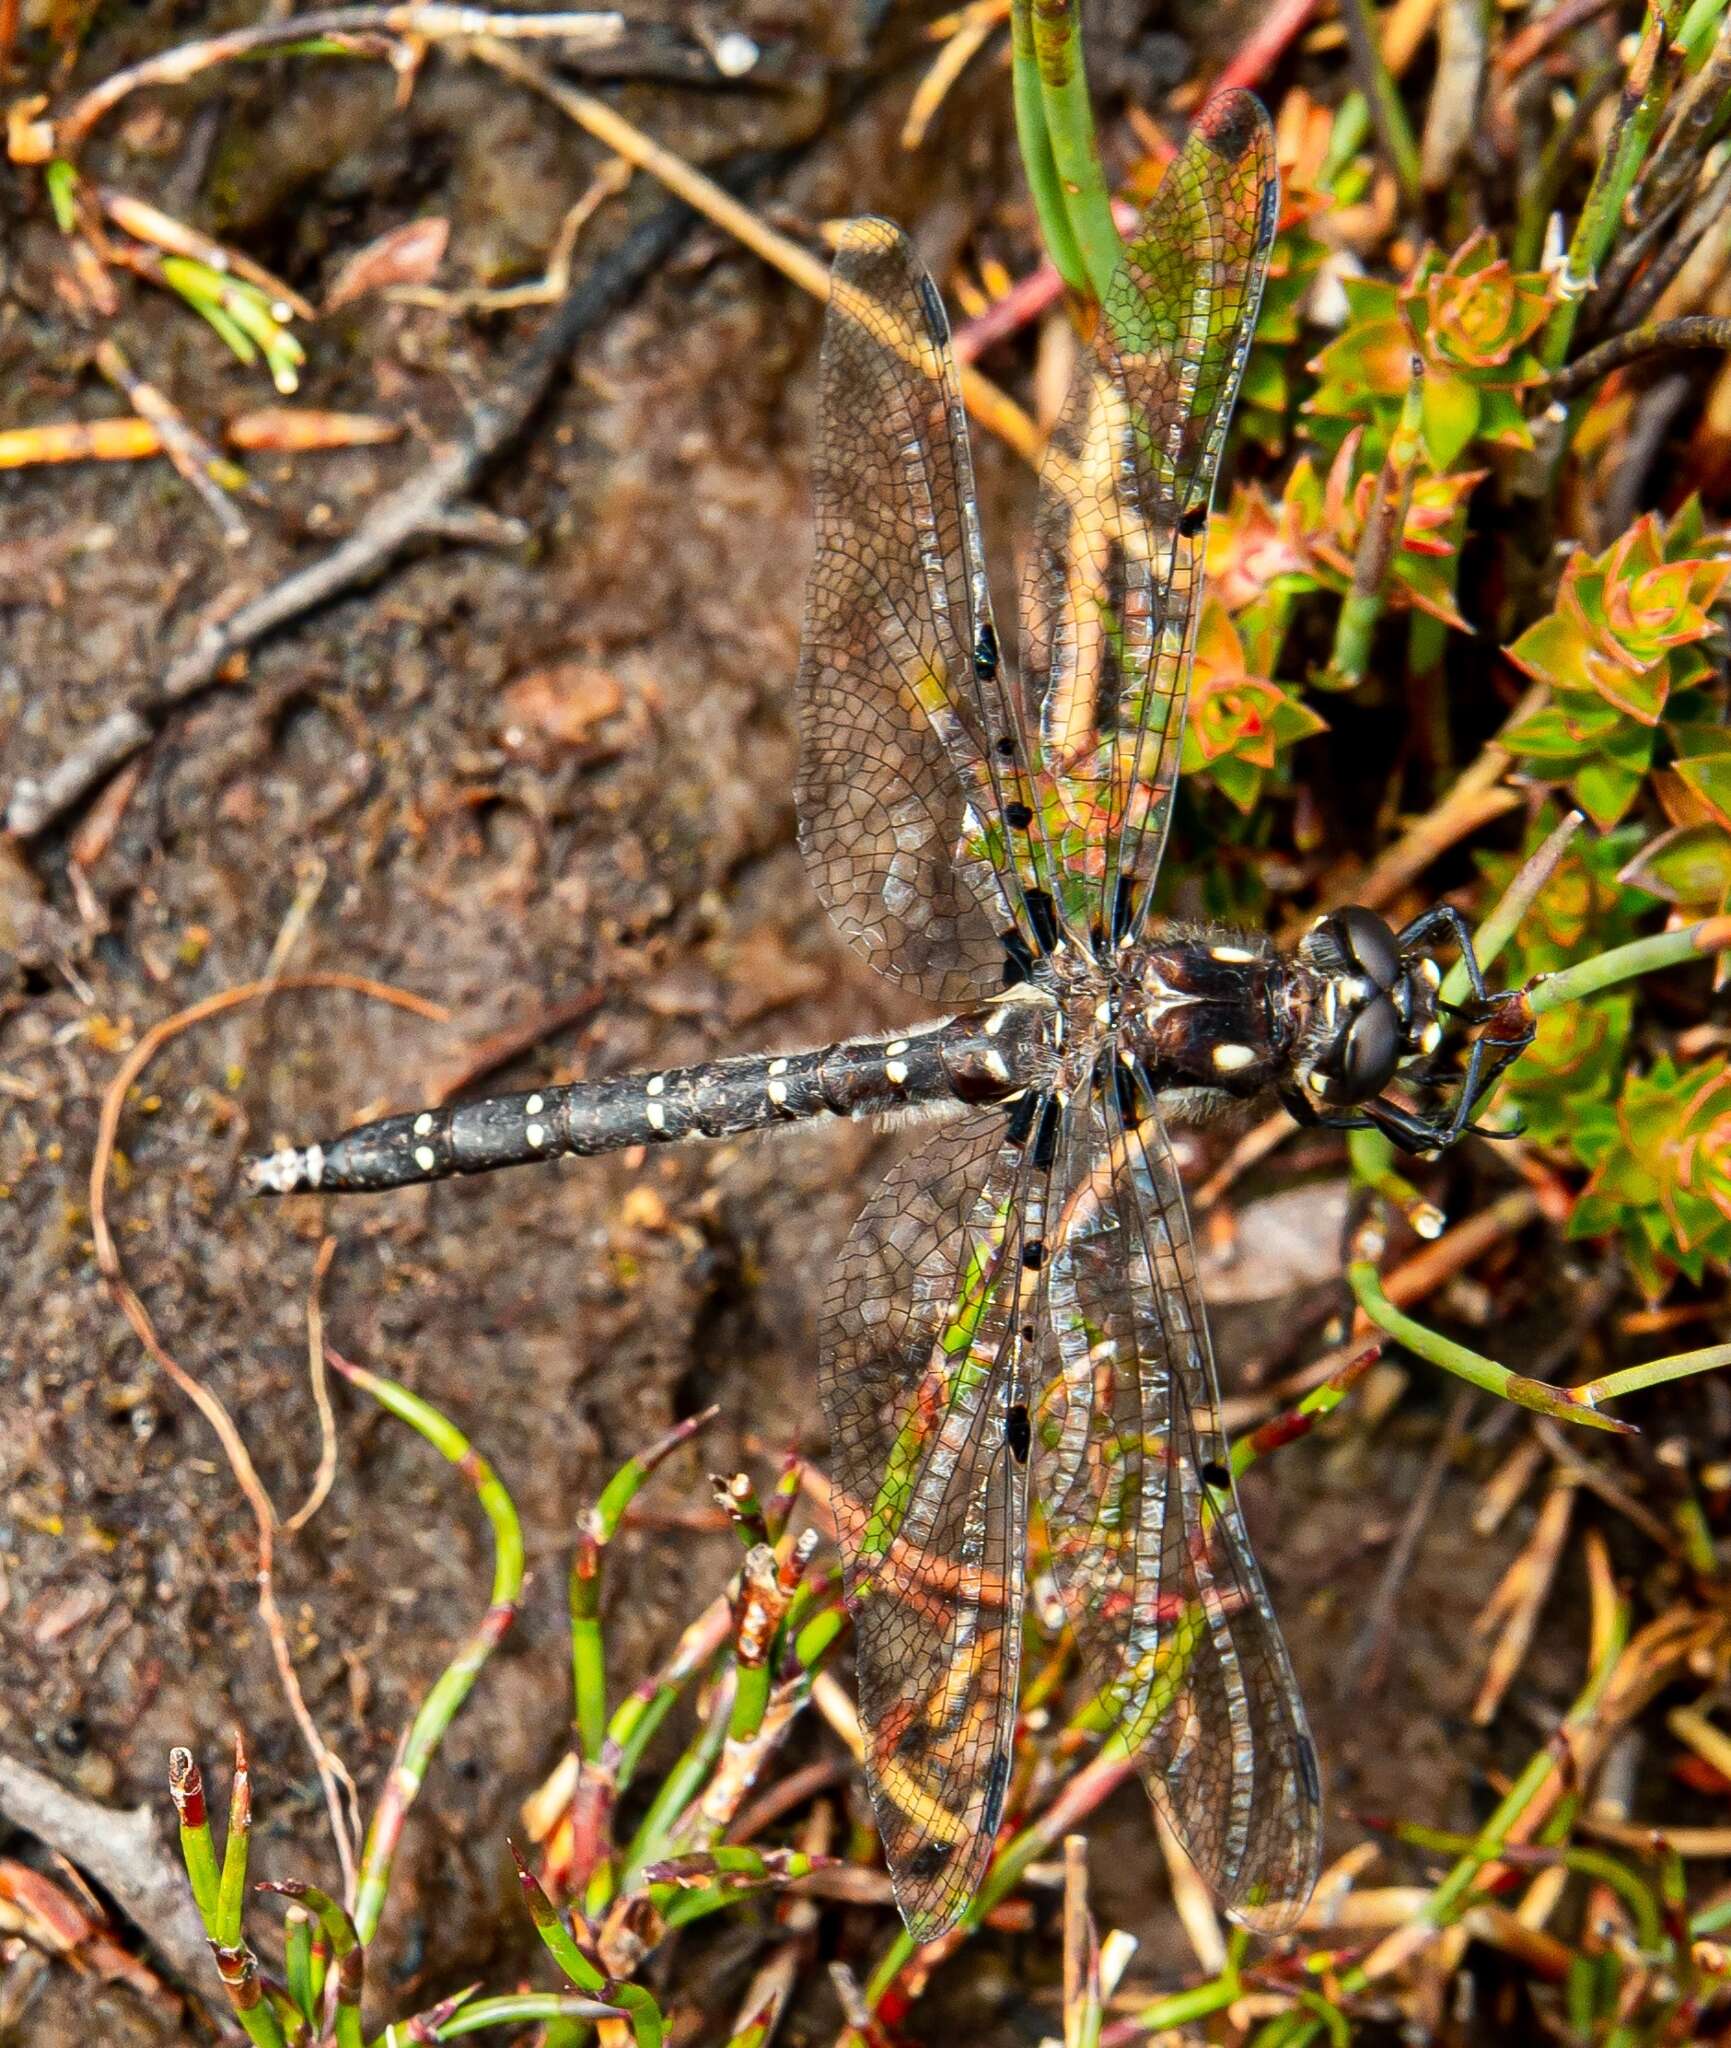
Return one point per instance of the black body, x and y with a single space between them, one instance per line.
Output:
1204 1017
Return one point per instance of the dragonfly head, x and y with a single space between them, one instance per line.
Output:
1377 1009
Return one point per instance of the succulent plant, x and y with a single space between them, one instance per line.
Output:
1325 520
1623 641
1662 1172
1586 906
1470 319
1237 724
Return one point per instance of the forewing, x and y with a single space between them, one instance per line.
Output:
895 721
1112 593
1152 1560
922 1358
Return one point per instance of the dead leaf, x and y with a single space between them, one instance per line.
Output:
47 1917
410 254
563 703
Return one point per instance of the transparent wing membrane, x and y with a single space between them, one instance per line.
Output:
1008 1310
1112 594
901 709
1149 1547
923 1357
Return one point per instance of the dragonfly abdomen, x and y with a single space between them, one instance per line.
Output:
985 1056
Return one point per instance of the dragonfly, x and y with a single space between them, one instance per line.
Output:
1015 1319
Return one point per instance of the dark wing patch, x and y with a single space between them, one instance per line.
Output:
899 696
1153 1563
923 1366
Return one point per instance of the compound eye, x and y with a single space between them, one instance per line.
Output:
1371 944
1373 1049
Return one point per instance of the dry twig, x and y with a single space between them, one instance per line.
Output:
990 406
123 1851
427 22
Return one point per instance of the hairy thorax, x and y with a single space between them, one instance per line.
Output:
1197 1009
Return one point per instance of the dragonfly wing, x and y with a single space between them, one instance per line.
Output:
923 1359
1112 593
899 696
1149 1547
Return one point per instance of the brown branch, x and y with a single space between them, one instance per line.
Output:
1538 36
1694 330
1676 249
209 474
993 408
124 1851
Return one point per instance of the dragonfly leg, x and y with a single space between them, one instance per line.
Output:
1445 917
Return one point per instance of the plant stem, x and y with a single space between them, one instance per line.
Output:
1538 202
1056 28
588 1644
517 2008
1035 143
1657 1372
1623 963
1078 1798
1643 102
1565 1403
561 1943
197 1847
1490 1838
1517 899
676 1791
1371 1156
298 1962
346 1947
1393 128
1299 1421
1589 1862
231 1894
1692 330
1384 526
1184 2008
454 1683
238 1969
1345 139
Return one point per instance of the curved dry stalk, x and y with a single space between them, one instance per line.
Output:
420 19
330 1767
326 1474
